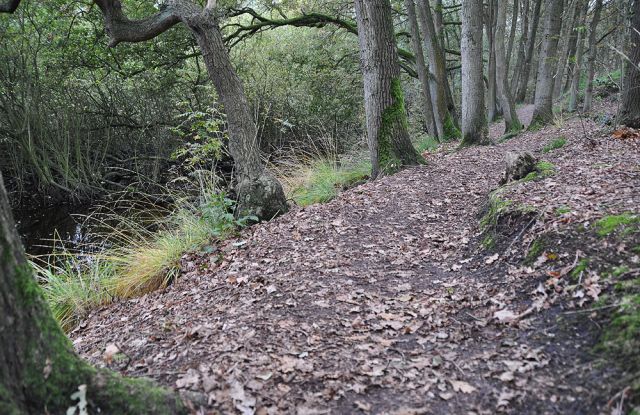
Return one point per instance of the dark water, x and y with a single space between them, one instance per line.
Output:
43 229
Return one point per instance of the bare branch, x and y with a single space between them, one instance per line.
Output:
10 6
121 29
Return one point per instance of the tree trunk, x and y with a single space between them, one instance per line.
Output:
474 121
576 66
387 133
512 35
591 57
517 70
492 96
39 370
437 64
630 109
543 111
568 47
434 123
511 121
521 95
259 192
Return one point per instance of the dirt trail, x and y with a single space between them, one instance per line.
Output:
380 301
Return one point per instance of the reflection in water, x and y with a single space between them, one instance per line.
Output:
44 229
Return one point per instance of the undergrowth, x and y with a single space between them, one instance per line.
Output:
555 144
322 180
133 260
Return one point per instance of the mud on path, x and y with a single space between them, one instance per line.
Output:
382 300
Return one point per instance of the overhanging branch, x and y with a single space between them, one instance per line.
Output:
121 29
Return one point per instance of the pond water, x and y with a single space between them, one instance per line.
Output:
44 228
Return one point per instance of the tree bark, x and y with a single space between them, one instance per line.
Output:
259 193
434 123
511 121
543 102
517 71
387 134
630 108
492 96
437 65
521 95
512 34
39 370
591 57
576 66
570 33
474 121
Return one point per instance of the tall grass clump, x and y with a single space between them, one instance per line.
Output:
135 256
322 180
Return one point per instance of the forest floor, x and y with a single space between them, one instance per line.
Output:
393 298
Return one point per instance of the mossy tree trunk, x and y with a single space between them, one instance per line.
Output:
39 370
630 108
474 121
543 101
387 133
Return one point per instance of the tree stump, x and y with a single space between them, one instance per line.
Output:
518 166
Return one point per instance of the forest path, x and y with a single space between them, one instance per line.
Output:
380 301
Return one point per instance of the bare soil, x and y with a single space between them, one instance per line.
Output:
385 301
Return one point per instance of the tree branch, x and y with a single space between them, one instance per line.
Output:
121 29
260 23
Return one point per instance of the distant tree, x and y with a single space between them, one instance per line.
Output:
511 120
591 56
543 110
39 371
434 123
630 108
474 121
576 65
525 70
438 67
259 192
389 142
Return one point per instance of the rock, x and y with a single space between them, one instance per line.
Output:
519 164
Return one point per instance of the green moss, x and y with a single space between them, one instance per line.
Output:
451 132
7 403
536 125
622 335
609 224
535 250
426 143
394 116
545 168
555 144
496 207
618 271
562 210
489 242
580 268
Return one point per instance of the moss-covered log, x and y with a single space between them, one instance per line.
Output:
39 371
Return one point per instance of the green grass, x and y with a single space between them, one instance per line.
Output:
543 169
137 262
580 268
562 210
608 224
322 180
426 143
555 144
